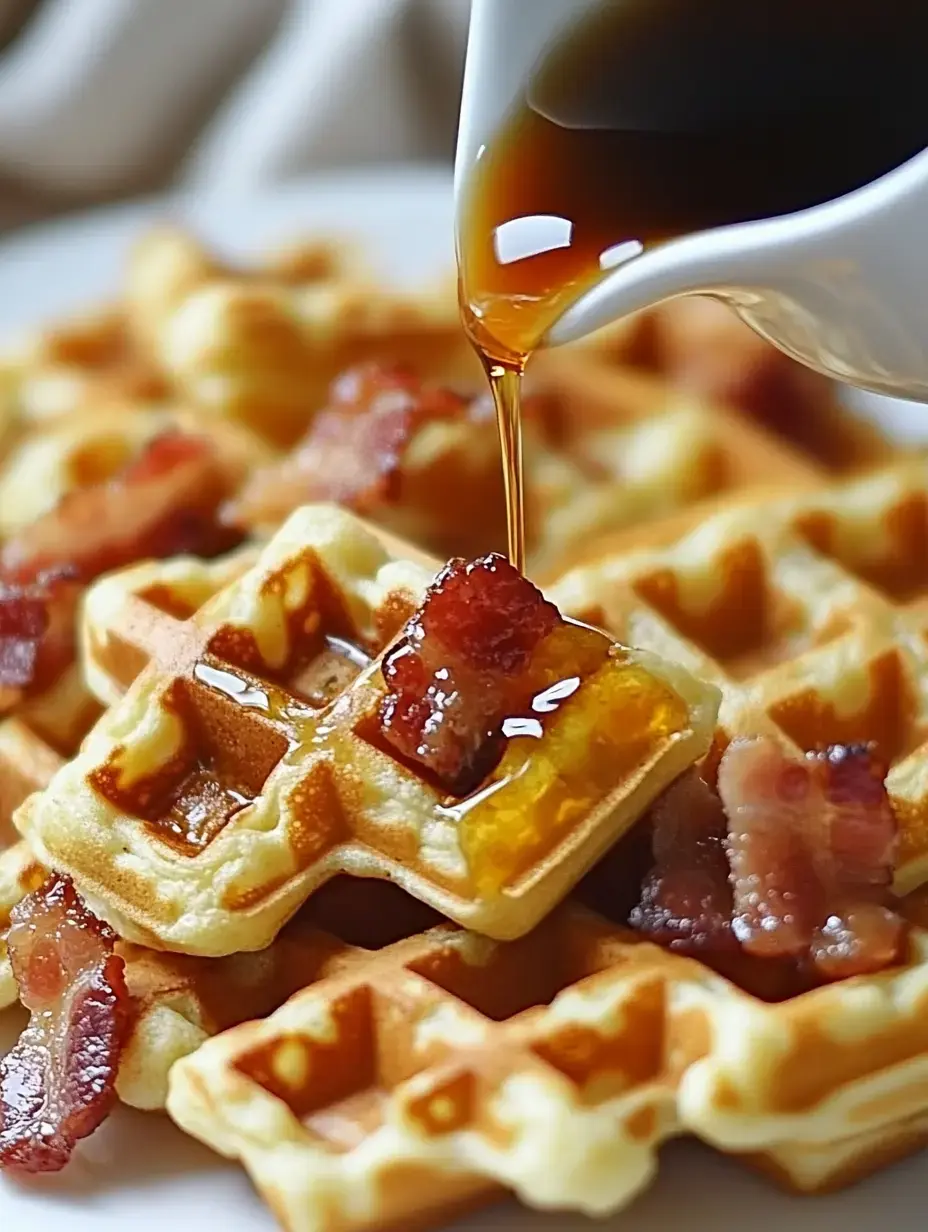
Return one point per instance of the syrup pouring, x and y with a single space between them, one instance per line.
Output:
616 153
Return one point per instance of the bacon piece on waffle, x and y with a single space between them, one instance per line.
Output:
355 450
855 865
686 900
59 1082
460 669
163 503
811 847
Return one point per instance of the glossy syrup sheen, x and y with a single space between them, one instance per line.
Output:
224 758
596 717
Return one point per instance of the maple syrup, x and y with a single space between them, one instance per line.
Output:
603 717
658 118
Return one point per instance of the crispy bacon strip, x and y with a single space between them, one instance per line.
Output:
58 1083
459 669
686 901
811 847
855 864
355 450
771 807
163 503
791 863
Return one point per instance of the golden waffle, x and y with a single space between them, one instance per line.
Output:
126 611
676 409
808 613
634 448
700 346
604 449
80 364
645 418
181 1001
435 481
264 348
234 777
88 448
432 1073
109 356
84 452
178 1001
115 632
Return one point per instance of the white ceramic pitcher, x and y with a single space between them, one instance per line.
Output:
842 287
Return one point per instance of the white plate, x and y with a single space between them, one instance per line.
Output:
138 1170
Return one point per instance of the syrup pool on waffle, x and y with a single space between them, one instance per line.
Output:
486 671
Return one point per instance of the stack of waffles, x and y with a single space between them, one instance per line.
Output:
389 988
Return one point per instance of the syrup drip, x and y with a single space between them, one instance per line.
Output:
506 386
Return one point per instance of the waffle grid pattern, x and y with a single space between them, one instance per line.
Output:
554 1067
810 614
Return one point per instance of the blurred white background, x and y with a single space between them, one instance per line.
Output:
103 99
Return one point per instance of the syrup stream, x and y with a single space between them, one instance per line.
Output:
506 386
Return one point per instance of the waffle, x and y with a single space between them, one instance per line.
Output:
433 1073
699 346
109 356
178 1001
83 363
44 468
264 348
111 658
234 777
632 449
604 449
644 420
181 1001
808 613
86 449
126 612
